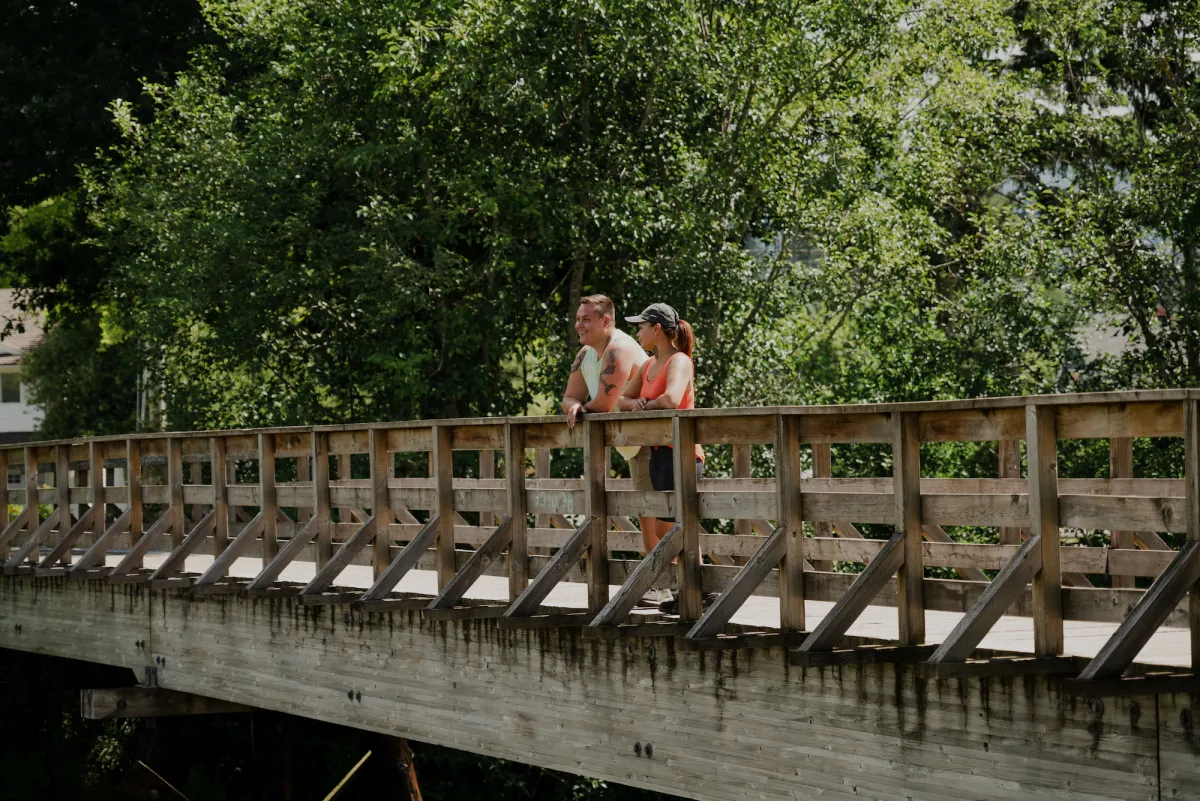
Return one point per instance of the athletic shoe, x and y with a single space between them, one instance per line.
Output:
654 596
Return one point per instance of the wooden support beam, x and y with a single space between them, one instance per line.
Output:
560 564
862 655
175 485
27 517
595 506
866 586
62 488
405 561
514 481
328 574
63 548
221 565
322 513
1002 666
268 497
94 557
125 569
822 467
469 573
3 494
149 702
1041 440
1176 582
935 533
382 468
287 554
220 484
641 579
1010 467
1120 465
1156 683
177 559
906 476
713 621
996 599
487 469
443 476
687 515
790 519
541 469
30 549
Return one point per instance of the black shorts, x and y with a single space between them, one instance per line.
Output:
662 468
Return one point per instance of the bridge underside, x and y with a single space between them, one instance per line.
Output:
640 711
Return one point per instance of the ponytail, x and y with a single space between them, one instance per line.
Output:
684 339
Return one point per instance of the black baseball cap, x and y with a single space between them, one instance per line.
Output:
657 313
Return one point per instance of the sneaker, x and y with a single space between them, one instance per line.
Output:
654 597
671 606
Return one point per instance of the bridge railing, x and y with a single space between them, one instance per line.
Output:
307 503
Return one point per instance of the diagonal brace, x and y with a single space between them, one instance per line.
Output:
175 562
340 560
35 540
224 561
95 554
641 579
564 559
287 554
713 621
405 561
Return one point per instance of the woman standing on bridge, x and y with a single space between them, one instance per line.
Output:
666 381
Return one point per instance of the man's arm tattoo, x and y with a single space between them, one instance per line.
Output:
578 362
610 367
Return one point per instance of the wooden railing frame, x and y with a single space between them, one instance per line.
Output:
1035 506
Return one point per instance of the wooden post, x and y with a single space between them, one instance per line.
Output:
381 501
267 500
1042 450
789 518
1120 465
320 479
741 469
1010 467
4 489
443 474
303 473
175 485
687 515
595 472
487 469
192 472
514 480
216 447
133 480
1191 475
906 488
541 469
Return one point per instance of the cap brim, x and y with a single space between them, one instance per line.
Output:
637 319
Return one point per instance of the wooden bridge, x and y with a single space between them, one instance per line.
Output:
498 615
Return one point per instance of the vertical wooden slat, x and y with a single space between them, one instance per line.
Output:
443 475
687 514
303 473
741 469
1042 450
96 480
1191 474
541 469
1010 467
343 473
381 503
514 481
267 496
133 480
4 488
822 456
789 518
175 485
62 494
487 469
906 476
192 472
1120 465
320 479
595 472
220 483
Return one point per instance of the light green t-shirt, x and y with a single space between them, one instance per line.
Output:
590 368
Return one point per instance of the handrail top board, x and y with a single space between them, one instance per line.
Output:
969 404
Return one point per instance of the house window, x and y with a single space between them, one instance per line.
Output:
10 388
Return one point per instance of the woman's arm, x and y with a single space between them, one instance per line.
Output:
679 377
629 400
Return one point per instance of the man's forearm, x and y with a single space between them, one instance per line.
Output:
568 402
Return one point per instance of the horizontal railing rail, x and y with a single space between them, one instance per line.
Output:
114 502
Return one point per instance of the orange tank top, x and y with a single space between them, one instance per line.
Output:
655 388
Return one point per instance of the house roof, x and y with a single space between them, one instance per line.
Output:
17 343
